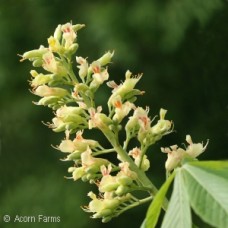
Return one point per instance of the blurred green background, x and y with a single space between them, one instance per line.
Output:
181 46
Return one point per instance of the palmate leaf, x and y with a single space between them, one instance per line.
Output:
178 214
219 168
208 191
156 205
204 186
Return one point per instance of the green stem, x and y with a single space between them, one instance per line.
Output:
142 178
144 149
72 76
126 143
70 71
103 152
140 188
135 204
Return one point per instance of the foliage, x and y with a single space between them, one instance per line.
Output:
201 184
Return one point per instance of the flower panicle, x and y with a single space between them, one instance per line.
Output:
70 91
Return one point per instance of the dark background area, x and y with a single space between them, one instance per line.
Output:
180 46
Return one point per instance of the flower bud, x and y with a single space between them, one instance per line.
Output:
145 163
125 176
108 183
124 180
37 53
58 125
136 153
84 91
132 126
84 178
34 73
90 163
90 176
68 112
78 173
125 88
49 101
77 27
102 207
74 156
106 58
37 62
71 169
122 190
111 203
106 219
69 118
41 79
72 49
45 91
58 33
67 146
54 45
106 206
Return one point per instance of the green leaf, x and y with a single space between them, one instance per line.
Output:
219 168
208 191
156 205
178 214
143 225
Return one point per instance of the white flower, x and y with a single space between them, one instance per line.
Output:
163 126
136 153
49 62
121 110
67 146
54 44
175 156
83 67
143 119
99 78
69 34
194 149
125 88
94 120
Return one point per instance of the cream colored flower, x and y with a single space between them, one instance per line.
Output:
175 156
194 149
69 34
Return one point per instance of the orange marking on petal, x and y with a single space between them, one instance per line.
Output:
96 69
66 30
144 119
118 104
